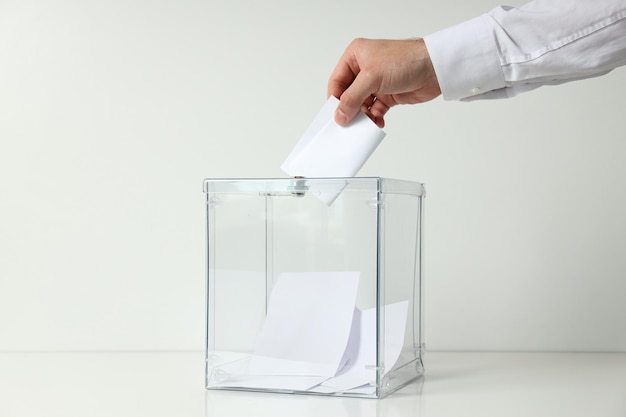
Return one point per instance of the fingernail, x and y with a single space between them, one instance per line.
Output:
341 118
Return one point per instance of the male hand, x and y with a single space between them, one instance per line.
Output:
375 75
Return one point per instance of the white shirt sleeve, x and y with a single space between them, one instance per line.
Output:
512 50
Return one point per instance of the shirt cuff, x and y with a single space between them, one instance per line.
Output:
465 59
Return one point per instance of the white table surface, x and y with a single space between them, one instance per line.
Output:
171 384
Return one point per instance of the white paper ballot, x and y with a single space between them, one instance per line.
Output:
272 382
329 150
360 370
308 324
315 339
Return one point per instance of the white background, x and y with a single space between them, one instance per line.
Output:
112 112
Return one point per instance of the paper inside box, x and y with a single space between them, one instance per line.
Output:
315 339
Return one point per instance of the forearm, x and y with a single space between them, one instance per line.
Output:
511 50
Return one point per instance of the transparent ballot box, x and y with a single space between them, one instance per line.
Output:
314 285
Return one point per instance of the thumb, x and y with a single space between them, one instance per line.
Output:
353 98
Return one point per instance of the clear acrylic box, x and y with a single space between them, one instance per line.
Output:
314 285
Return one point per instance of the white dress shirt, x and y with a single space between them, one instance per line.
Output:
512 50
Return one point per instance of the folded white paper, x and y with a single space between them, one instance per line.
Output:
329 150
315 339
308 324
272 382
361 369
